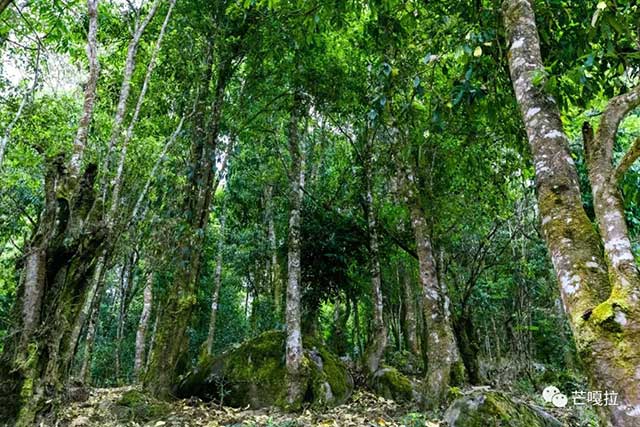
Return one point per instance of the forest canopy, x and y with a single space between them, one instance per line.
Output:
309 205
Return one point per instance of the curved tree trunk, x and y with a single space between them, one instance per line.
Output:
600 293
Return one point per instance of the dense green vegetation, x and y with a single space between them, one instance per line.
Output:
218 198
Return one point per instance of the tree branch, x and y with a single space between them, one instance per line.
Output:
629 158
617 108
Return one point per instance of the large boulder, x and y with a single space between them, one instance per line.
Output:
254 374
391 384
495 409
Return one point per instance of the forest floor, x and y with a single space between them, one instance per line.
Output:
104 407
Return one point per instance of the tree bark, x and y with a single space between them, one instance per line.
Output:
293 309
217 282
170 343
378 338
600 294
126 283
118 181
409 313
80 141
125 88
143 323
85 312
92 326
439 346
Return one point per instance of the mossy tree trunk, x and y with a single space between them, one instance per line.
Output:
59 262
438 343
171 340
600 291
294 350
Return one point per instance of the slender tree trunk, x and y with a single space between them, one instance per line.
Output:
357 328
85 312
80 141
92 326
600 294
152 341
129 68
274 268
118 181
141 334
293 310
217 282
468 345
409 312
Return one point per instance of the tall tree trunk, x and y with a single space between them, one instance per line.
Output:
293 309
217 282
129 68
467 340
439 346
152 340
80 141
171 341
600 293
143 323
118 180
378 338
59 261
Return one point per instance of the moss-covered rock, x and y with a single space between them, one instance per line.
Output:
495 409
392 384
254 374
136 406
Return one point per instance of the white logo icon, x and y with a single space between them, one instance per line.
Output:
551 394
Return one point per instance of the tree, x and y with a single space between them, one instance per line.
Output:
599 290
